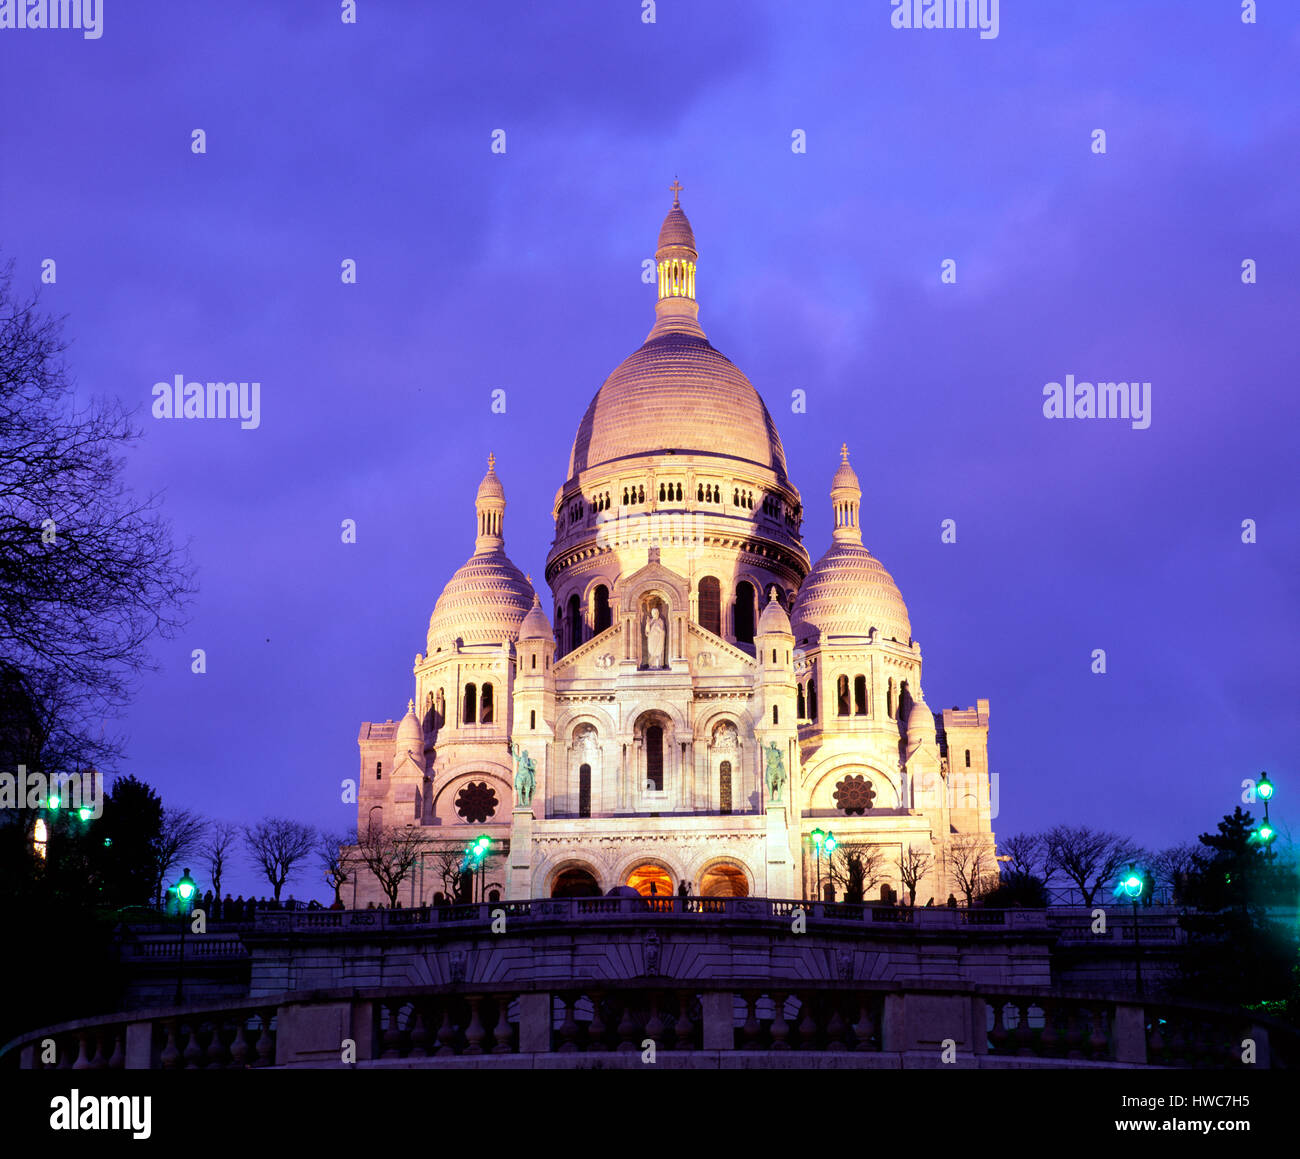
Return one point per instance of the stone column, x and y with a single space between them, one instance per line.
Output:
780 865
519 874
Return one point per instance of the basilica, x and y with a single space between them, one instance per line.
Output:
696 705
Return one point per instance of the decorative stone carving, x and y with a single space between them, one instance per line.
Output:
652 953
525 775
726 741
655 636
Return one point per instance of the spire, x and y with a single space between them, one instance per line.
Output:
675 257
846 499
490 508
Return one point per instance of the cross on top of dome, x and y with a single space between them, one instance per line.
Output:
675 188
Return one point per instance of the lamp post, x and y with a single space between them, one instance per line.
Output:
1132 884
1265 834
475 855
184 893
818 839
831 844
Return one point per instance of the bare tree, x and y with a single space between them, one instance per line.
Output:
1175 865
972 864
217 849
337 853
1090 858
277 846
855 867
391 852
448 861
1026 852
180 837
913 865
88 572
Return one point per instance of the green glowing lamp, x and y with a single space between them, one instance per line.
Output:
1264 790
85 812
831 843
818 837
185 887
1266 833
1132 884
53 801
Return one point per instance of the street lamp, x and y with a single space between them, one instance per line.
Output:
184 894
476 854
1132 884
1265 834
818 839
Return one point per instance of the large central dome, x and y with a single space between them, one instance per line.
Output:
677 393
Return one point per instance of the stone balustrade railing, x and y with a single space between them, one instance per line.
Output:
707 1024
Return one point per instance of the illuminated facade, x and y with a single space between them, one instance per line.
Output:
697 697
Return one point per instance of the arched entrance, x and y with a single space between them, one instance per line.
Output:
575 882
651 879
723 880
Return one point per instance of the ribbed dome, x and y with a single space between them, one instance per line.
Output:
676 230
485 602
920 723
677 393
847 593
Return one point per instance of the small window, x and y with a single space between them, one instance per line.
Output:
968 758
534 659
801 710
773 655
485 707
842 695
776 719
724 787
379 770
470 712
584 791
859 696
812 699
532 718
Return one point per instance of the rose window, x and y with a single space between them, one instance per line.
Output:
854 794
476 802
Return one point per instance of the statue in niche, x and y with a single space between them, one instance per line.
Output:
775 771
525 775
655 636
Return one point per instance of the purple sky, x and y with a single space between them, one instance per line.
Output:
817 271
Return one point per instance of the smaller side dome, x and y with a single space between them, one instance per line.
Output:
920 722
773 618
536 626
410 736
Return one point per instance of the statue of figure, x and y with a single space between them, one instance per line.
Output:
525 775
654 639
775 771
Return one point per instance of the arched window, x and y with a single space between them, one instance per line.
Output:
859 696
679 492
812 699
744 614
968 758
654 757
575 622
662 496
735 497
470 713
724 787
641 499
534 659
532 718
904 701
584 791
842 696
602 617
485 705
801 710
889 699
699 493
625 496
773 655
710 605
776 719
379 770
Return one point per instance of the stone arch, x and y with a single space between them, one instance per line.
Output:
556 873
741 886
589 600
631 862
497 777
821 786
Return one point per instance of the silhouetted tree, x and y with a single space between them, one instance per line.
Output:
277 847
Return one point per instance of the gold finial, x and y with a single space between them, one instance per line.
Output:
676 187
844 452
491 460
529 578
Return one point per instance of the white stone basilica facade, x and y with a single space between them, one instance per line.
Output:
696 697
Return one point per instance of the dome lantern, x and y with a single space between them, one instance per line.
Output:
675 257
846 499
490 508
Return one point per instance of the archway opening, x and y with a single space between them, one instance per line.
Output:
575 882
651 880
723 880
